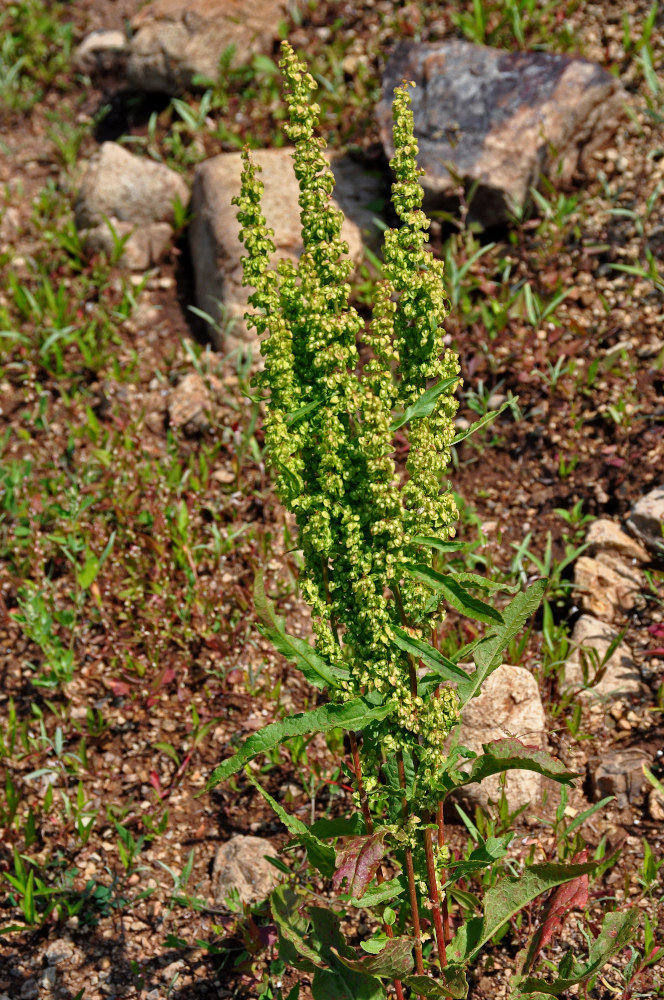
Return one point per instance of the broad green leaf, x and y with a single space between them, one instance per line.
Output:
451 984
476 580
337 981
353 715
293 928
455 595
320 855
87 574
393 961
510 754
444 668
391 772
384 893
618 929
299 652
488 653
437 544
342 827
504 901
483 856
483 421
426 403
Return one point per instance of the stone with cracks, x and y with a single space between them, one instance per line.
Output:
646 520
509 705
216 250
605 535
620 773
241 864
500 120
174 41
621 677
607 584
130 198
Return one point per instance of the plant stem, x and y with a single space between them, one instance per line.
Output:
410 871
368 822
443 874
434 897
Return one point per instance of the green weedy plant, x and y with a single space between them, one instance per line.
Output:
369 538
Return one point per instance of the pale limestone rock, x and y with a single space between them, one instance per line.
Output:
509 705
606 585
241 864
143 248
213 235
121 185
175 41
607 535
646 521
104 50
621 677
190 402
500 119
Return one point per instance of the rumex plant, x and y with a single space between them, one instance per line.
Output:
373 538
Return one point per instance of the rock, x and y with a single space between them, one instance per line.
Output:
510 703
60 950
646 520
102 51
620 773
216 250
607 535
241 864
143 248
621 676
121 185
656 805
190 402
500 119
175 41
606 584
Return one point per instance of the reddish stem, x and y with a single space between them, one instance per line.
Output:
443 874
410 872
368 822
434 897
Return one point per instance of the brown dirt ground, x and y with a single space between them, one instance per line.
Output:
513 482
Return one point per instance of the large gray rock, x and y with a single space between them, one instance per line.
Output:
509 705
500 119
241 864
129 197
214 233
621 677
620 773
646 520
175 41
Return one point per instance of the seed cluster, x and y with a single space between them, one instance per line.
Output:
328 423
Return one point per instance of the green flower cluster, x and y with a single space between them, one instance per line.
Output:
329 418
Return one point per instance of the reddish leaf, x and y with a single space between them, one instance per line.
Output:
357 862
569 896
657 630
119 689
654 652
154 781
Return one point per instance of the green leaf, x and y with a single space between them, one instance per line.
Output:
505 900
299 652
353 715
483 421
393 961
426 403
338 982
483 856
476 580
293 928
488 652
618 929
509 754
384 893
436 543
444 668
86 575
455 595
349 826
453 984
320 855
